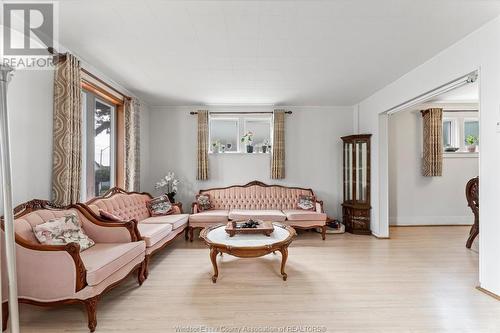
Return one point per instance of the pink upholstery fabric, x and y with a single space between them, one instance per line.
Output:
126 206
159 244
45 275
266 215
102 260
176 220
303 215
256 197
153 233
210 216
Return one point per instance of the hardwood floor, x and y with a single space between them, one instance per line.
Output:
421 280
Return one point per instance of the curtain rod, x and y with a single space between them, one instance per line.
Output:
194 112
59 57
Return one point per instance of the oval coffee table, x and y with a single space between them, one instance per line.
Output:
248 246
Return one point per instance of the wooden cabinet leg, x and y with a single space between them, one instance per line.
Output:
213 258
474 231
5 315
323 232
91 307
186 233
284 257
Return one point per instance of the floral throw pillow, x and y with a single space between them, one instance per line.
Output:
109 216
203 202
159 206
61 231
306 202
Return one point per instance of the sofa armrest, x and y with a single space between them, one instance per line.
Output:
319 206
102 231
194 208
57 267
177 208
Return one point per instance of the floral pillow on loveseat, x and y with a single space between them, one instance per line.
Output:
61 231
306 202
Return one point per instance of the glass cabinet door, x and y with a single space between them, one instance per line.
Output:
361 172
348 171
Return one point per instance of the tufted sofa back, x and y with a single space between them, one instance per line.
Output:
128 206
23 225
258 196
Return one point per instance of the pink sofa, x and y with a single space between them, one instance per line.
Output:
260 201
157 231
60 274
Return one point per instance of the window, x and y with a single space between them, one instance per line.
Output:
227 131
99 144
457 126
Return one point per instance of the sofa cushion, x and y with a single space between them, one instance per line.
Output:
266 215
153 233
210 216
303 215
176 220
103 259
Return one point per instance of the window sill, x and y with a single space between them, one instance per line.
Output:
236 153
461 154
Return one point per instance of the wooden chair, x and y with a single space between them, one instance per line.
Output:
472 195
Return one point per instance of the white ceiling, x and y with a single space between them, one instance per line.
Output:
468 93
263 52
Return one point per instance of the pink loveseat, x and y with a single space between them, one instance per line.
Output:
61 274
156 231
260 201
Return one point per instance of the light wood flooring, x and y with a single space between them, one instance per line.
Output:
421 280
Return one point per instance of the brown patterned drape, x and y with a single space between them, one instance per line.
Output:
432 163
67 132
132 144
278 153
202 150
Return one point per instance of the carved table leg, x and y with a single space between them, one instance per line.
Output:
213 257
186 233
284 257
474 231
5 315
91 307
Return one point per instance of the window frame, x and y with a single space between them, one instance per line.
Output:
458 119
242 120
211 119
117 173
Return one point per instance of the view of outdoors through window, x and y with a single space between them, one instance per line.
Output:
102 148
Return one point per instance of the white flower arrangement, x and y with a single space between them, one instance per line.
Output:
169 182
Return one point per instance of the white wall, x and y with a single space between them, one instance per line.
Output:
30 100
313 152
478 51
418 200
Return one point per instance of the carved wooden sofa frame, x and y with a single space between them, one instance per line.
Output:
117 190
319 204
73 249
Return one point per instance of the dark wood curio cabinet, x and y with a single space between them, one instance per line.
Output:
356 178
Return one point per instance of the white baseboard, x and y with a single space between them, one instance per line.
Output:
431 220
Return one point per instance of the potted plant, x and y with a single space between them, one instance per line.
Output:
247 140
471 141
265 146
169 183
215 147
